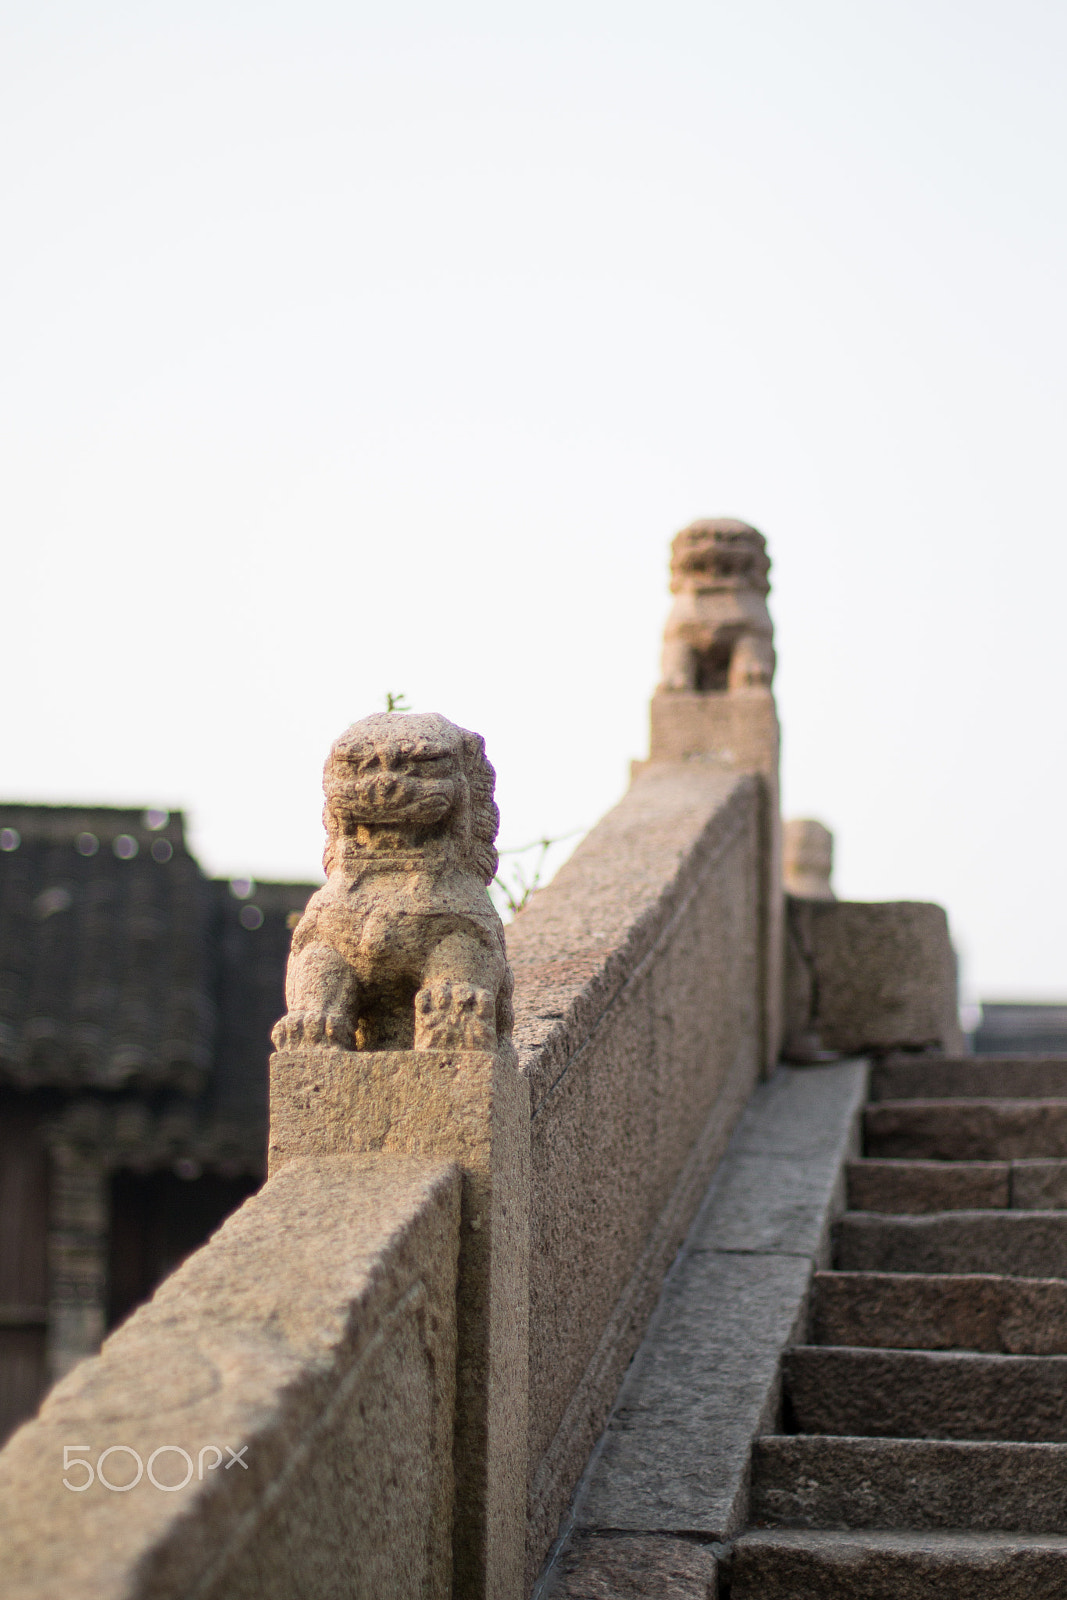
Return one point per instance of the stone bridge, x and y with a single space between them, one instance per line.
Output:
538 1296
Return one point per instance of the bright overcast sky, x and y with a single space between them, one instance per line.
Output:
352 348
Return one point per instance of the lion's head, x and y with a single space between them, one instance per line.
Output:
400 784
719 553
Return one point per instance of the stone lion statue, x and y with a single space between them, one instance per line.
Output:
719 633
402 948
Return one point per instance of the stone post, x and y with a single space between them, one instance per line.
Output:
398 1039
715 701
808 859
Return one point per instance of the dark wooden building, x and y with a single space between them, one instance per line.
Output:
136 1002
1018 1028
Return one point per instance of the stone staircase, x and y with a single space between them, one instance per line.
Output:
927 1445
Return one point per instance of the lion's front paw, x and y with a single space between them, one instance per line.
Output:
301 1028
454 1016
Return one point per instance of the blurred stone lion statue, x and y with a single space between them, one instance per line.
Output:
719 633
402 947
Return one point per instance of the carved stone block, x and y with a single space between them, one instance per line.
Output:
719 633
402 948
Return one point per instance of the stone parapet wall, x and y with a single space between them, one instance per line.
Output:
638 1025
300 1370
869 978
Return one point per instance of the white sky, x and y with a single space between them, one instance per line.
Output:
346 348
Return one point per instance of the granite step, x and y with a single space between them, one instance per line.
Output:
1039 1185
966 1130
812 1481
798 1564
928 1446
903 1187
922 1394
919 1187
976 1311
1018 1244
970 1077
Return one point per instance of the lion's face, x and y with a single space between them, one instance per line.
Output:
719 554
399 786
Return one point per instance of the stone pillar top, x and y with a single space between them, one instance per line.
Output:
714 697
807 859
715 700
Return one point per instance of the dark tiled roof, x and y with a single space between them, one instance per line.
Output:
103 959
133 982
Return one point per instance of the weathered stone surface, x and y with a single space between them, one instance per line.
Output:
1022 1244
1019 1316
316 1329
402 947
620 1567
919 1187
629 887
780 1184
870 978
923 1186
970 1078
926 1186
638 1030
966 1130
809 1116
807 859
919 1394
1039 1186
811 1481
739 731
787 1564
470 1107
675 1455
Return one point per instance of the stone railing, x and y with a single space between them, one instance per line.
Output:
384 1375
278 1415
638 1024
